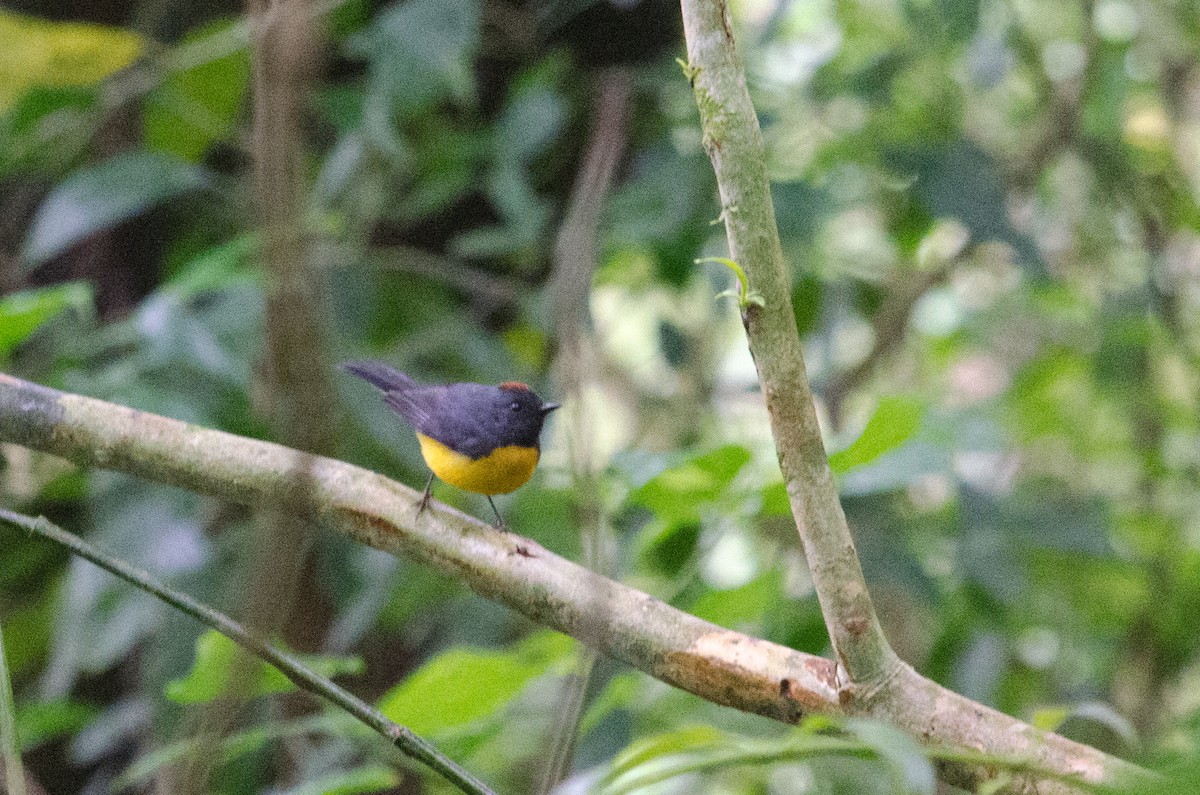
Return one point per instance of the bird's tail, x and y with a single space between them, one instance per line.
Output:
381 375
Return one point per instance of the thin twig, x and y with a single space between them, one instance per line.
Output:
889 326
303 677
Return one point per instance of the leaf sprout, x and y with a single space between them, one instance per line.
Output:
742 294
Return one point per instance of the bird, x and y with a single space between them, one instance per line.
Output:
481 438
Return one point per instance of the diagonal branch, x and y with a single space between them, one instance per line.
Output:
298 673
716 664
719 665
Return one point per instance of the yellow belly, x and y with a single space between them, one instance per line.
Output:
503 470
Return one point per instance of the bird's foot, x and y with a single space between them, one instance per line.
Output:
425 497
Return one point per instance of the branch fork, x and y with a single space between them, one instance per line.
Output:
869 678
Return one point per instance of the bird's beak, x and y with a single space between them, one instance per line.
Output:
549 407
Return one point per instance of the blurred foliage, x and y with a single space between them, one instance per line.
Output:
990 212
215 662
43 54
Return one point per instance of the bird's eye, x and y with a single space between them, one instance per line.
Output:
515 406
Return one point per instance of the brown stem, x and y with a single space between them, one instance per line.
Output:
293 386
575 260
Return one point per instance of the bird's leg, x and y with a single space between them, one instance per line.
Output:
425 497
499 520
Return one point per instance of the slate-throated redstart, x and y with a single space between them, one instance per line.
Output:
477 437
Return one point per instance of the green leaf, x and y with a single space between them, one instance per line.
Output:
461 686
744 604
94 198
47 129
214 662
898 750
217 268
894 422
686 739
58 54
196 106
667 546
775 500
23 312
211 668
420 52
372 778
744 295
1050 718
675 494
30 627
42 721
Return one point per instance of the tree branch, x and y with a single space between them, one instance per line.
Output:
719 665
716 664
734 144
878 683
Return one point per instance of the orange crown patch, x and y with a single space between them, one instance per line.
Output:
514 385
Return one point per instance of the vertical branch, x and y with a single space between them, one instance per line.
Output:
299 393
734 144
294 392
880 685
295 387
